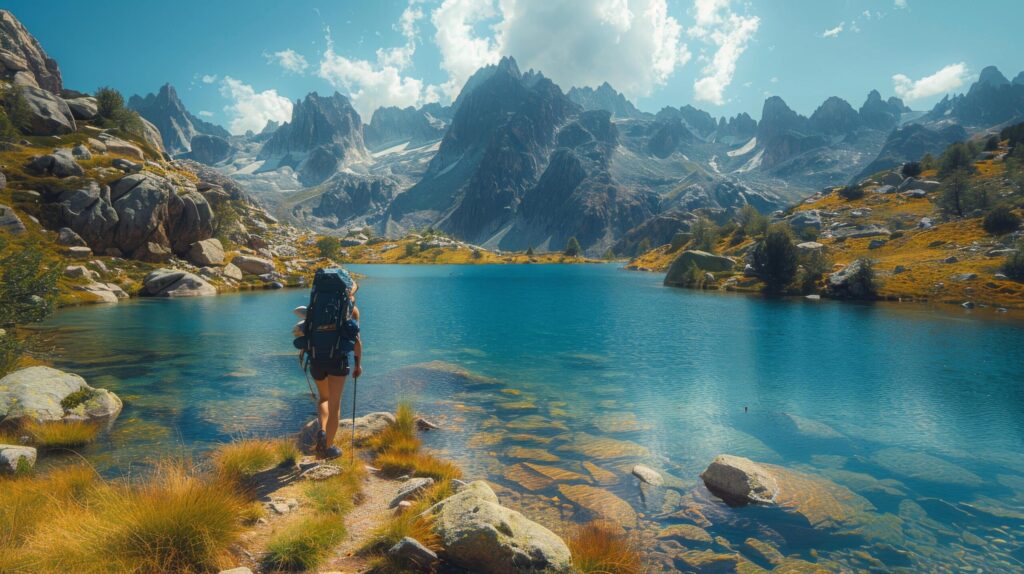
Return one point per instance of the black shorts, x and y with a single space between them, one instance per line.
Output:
320 371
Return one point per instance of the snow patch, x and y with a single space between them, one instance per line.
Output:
754 163
747 148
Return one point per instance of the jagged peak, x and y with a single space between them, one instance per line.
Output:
1019 80
508 65
873 96
991 76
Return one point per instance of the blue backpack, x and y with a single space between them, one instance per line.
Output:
329 331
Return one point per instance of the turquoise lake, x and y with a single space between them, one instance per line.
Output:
904 425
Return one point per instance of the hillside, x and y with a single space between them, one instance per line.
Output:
918 248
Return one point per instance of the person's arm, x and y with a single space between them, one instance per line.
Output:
358 352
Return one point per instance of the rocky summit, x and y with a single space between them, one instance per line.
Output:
176 125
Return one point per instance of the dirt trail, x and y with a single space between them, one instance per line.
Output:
370 511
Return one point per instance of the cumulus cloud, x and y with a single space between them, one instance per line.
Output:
249 109
901 4
205 114
833 32
944 81
462 50
289 60
730 33
634 45
209 78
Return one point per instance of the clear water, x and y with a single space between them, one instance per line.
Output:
919 414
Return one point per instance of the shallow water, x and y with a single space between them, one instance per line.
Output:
908 423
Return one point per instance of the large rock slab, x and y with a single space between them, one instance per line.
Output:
60 163
176 283
36 393
189 220
739 480
703 260
119 146
23 60
10 222
411 489
253 265
48 114
141 202
600 503
206 252
83 108
481 535
11 456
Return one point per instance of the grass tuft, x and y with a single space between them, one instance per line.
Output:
240 460
417 464
304 545
76 398
287 452
337 494
597 549
411 523
55 435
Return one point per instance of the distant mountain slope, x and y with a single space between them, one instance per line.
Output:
604 98
176 124
394 126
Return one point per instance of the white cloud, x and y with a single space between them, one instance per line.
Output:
833 32
944 81
717 24
209 78
249 109
774 80
205 114
634 45
289 60
900 4
462 51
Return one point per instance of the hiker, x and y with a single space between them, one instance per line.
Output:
330 348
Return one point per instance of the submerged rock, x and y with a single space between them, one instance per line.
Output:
921 466
600 503
481 535
37 393
739 480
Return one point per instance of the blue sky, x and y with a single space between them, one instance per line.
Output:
240 63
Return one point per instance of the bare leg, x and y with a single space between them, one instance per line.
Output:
336 386
323 388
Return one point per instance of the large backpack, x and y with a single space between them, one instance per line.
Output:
329 332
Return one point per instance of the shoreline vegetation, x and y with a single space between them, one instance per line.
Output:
944 230
265 505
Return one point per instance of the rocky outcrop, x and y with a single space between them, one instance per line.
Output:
843 283
479 534
23 61
783 134
175 124
391 126
48 114
606 98
991 101
739 480
835 117
347 198
206 252
677 272
42 394
83 108
176 283
253 265
911 143
324 135
10 222
60 163
881 114
210 149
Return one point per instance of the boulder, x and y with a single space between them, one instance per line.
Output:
119 146
79 271
12 455
648 475
411 551
924 185
83 108
365 427
481 535
81 152
189 219
103 291
67 236
206 252
151 134
810 247
891 178
231 271
36 393
803 219
739 481
60 163
10 222
253 265
78 252
410 489
877 243
702 259
141 202
176 283
152 253
126 165
48 114
87 213
210 149
862 231
96 145
885 190
841 282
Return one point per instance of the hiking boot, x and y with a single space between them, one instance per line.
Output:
321 441
332 452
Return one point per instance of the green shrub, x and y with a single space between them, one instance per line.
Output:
28 285
108 101
775 258
16 109
529 252
704 234
753 222
957 157
76 398
992 143
329 247
1014 265
411 249
911 169
958 196
644 246
851 192
1001 220
679 240
863 283
11 350
572 248
815 263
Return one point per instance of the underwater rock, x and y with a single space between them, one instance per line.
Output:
739 480
531 454
685 533
603 448
920 466
600 475
600 503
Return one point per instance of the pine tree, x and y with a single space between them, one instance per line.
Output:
572 248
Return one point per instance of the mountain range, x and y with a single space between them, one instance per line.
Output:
514 162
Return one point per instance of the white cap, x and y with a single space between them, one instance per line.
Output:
297 329
300 311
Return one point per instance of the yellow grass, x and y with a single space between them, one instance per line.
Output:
56 435
242 459
305 544
597 549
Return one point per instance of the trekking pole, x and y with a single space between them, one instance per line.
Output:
352 451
